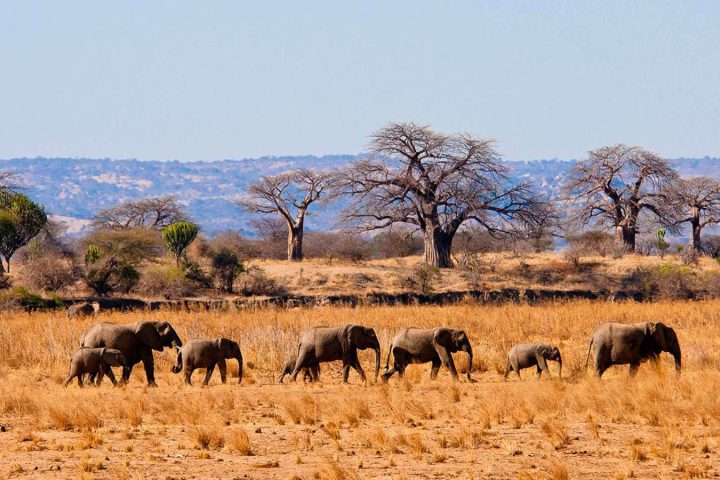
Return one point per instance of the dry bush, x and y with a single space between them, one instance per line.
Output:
207 437
49 273
238 442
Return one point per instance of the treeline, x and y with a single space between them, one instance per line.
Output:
444 196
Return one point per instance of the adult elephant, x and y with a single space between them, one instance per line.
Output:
413 345
136 341
328 344
620 344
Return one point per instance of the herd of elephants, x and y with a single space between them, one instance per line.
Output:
107 345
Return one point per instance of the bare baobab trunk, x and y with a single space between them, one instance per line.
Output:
295 240
438 246
625 236
696 227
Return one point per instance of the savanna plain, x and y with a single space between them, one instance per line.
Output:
657 425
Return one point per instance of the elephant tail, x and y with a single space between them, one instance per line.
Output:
177 368
587 358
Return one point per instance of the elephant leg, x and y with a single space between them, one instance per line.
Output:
436 363
188 374
80 381
69 378
633 369
111 376
222 366
149 365
303 361
447 360
315 370
508 369
100 376
127 371
208 373
282 375
538 372
358 368
542 368
345 372
601 363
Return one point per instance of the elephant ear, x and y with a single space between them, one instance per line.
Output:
543 350
147 333
349 337
443 337
225 346
660 336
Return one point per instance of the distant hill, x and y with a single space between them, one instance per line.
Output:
73 189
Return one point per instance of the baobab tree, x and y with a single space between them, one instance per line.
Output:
696 201
289 195
436 183
614 185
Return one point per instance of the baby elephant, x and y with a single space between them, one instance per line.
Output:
311 374
206 354
94 361
525 355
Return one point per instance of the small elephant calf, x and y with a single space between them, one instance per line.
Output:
311 374
525 355
94 361
206 354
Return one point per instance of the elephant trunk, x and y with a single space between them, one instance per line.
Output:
469 351
240 366
377 363
177 368
559 360
678 357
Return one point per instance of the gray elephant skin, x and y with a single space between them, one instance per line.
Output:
414 345
136 341
202 353
526 355
94 361
328 344
83 309
309 374
620 344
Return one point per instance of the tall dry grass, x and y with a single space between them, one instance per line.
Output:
413 424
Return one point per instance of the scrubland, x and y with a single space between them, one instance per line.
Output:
657 425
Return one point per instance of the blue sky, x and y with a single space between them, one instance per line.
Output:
195 80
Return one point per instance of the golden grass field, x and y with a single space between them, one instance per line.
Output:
655 426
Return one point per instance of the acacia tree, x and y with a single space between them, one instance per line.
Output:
21 220
436 183
696 202
614 185
154 213
289 195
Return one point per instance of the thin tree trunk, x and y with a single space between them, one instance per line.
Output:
295 240
695 238
438 246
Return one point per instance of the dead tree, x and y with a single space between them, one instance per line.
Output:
436 182
154 213
615 185
289 195
697 202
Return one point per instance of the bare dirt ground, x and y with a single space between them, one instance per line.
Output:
655 426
